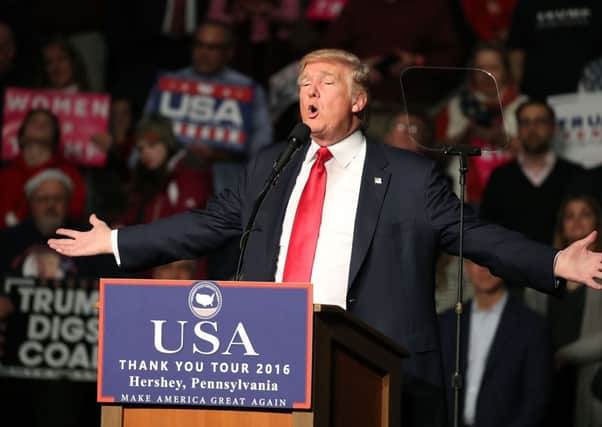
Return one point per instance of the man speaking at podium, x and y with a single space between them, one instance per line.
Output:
362 221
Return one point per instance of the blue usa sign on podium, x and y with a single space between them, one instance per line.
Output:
232 344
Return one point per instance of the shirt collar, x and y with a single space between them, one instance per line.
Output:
343 151
496 308
549 159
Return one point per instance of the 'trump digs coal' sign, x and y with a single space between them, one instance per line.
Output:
53 329
240 344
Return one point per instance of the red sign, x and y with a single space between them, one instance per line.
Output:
325 10
81 115
192 87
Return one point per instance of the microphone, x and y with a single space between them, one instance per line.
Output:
298 136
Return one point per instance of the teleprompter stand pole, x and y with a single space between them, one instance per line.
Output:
463 152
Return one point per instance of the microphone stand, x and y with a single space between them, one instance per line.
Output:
463 152
270 181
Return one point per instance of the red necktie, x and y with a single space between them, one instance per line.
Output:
306 227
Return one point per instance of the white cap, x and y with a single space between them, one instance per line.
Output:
56 174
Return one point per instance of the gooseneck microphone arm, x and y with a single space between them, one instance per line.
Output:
298 136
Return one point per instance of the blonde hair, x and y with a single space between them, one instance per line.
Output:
358 70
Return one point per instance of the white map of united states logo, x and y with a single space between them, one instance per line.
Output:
205 299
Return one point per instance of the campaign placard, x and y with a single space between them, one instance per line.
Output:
325 10
225 344
81 116
579 120
218 115
52 330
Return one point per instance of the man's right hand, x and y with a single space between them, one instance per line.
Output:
83 243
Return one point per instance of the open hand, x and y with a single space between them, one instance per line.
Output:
577 263
82 243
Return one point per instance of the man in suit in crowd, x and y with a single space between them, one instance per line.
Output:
382 216
505 356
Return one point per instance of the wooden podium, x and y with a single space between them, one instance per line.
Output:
356 382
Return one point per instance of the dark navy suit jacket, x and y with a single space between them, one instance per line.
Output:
518 372
406 214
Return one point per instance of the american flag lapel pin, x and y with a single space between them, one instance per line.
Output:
378 180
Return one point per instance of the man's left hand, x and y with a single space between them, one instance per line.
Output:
578 263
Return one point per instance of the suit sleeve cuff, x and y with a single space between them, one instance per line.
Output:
559 282
115 247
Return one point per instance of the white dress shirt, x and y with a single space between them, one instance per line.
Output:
330 273
483 325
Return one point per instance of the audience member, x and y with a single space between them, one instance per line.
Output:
591 76
525 194
39 137
411 131
576 323
551 41
8 52
165 179
505 357
264 28
414 130
107 183
145 38
488 20
23 251
406 38
62 68
121 127
83 24
10 73
482 114
212 51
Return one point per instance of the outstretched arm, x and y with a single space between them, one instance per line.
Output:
507 253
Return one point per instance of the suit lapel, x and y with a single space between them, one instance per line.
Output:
373 187
275 203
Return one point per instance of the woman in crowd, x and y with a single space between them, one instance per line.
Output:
39 138
576 324
62 67
482 114
165 179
